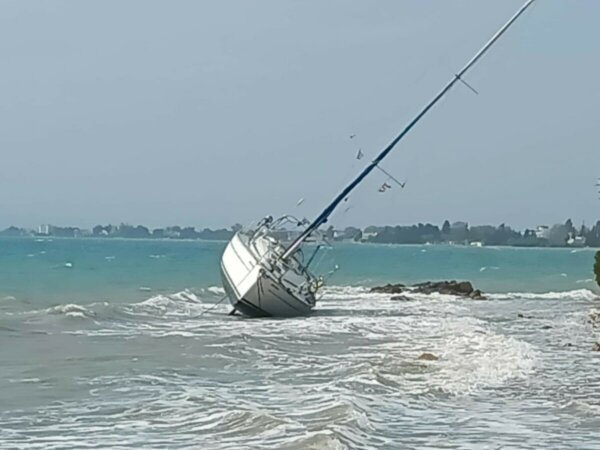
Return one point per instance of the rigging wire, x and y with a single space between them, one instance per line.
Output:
211 308
326 213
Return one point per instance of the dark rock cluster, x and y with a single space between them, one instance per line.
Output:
389 289
458 288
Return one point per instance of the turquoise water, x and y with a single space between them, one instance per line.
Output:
106 344
124 270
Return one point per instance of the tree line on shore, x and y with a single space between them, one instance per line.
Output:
124 231
559 235
459 233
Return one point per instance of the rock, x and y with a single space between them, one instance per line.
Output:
477 295
520 316
428 357
465 287
401 298
444 287
388 289
457 288
596 347
460 289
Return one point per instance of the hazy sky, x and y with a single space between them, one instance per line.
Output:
208 113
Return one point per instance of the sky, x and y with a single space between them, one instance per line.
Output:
216 112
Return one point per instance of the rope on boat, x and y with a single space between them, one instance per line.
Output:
212 307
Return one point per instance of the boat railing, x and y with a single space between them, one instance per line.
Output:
272 233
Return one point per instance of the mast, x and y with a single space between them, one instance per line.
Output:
322 218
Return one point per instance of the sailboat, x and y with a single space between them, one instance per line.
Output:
264 275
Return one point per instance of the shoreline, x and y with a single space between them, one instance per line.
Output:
344 242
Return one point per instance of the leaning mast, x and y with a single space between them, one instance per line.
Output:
324 216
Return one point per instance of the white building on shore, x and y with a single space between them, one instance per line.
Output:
44 229
542 232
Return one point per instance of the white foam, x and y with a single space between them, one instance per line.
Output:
217 290
586 407
321 440
25 380
76 314
577 294
477 358
186 296
349 292
72 310
157 301
184 303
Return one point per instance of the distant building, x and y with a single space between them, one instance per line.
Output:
172 233
338 235
576 241
367 235
44 229
542 232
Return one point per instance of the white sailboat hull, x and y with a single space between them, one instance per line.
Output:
253 285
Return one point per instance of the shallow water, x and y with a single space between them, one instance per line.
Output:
90 360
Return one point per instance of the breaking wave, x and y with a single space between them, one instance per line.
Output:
72 310
577 294
349 376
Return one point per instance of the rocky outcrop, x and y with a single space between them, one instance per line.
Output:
458 288
388 289
596 347
428 357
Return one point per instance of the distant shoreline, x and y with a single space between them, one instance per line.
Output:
458 234
346 242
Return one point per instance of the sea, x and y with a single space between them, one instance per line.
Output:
122 344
